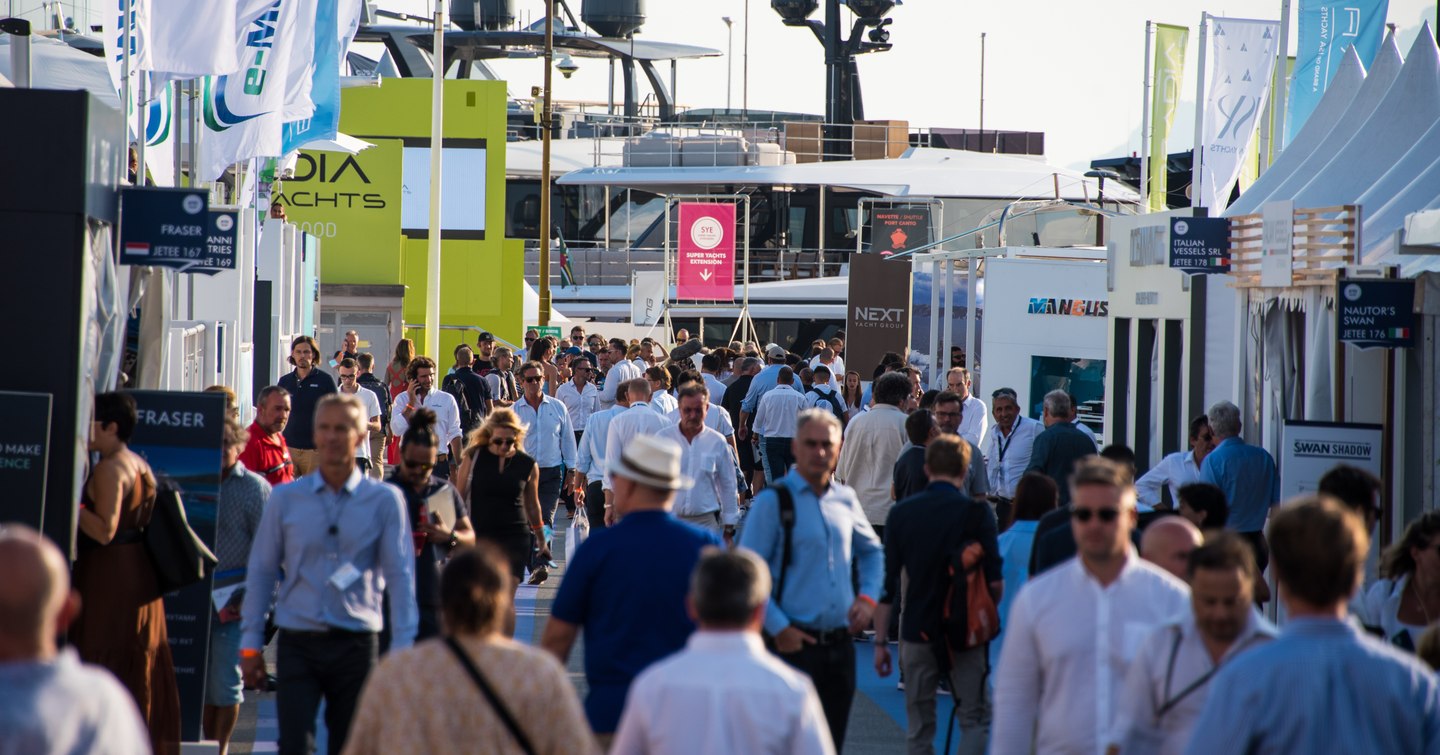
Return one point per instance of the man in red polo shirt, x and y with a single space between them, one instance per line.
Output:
266 453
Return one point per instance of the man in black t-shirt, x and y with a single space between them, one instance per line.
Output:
921 534
306 386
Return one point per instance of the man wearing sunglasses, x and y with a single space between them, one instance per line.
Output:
620 371
579 393
550 440
1074 630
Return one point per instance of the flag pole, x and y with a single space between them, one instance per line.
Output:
126 9
437 138
1197 159
1280 88
1145 124
546 188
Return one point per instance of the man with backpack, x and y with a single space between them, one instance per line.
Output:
946 544
812 532
823 395
470 391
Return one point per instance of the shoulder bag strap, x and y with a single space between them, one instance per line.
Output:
490 695
787 525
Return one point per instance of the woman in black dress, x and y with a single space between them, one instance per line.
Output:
501 484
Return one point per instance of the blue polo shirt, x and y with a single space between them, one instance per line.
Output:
1249 479
626 589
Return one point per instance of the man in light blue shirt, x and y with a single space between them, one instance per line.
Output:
1246 473
550 440
341 540
1324 685
590 457
814 609
764 381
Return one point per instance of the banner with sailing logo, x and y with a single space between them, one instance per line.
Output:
244 111
1170 42
1327 27
1244 59
160 98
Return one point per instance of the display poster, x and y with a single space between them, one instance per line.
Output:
899 229
1376 313
1310 449
705 253
164 227
180 435
1200 246
877 311
24 456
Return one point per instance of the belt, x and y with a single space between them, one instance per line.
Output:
827 636
330 632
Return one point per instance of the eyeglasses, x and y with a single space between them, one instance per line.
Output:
1106 516
533 379
502 442
419 464
344 376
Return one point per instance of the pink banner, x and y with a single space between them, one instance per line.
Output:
706 253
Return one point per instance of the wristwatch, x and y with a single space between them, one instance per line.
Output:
454 541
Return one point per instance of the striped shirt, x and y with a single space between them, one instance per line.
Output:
1323 686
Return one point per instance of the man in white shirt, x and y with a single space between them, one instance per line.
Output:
619 371
873 442
824 394
348 371
976 417
724 693
1008 443
832 362
422 392
590 457
705 457
710 372
637 419
1074 629
1169 680
550 441
1178 469
775 422
579 395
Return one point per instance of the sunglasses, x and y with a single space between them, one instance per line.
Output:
502 442
1106 516
534 379
419 465
528 339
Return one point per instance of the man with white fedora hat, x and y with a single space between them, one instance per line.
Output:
627 583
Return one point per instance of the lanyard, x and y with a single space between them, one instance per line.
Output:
1002 443
1171 702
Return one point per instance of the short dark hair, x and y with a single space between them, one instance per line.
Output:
266 392
1223 550
1197 424
948 455
786 376
1354 487
710 362
819 368
695 389
1121 455
531 365
117 408
918 426
347 363
1202 496
727 587
1036 494
1318 549
464 346
366 360
417 364
927 399
890 389
475 589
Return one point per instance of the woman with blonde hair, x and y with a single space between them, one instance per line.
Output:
502 485
1406 599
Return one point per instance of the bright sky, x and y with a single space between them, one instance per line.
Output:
1071 70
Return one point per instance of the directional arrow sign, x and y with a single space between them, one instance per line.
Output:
705 254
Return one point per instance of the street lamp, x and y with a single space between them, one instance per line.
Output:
729 56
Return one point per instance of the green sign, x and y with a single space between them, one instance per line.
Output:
547 330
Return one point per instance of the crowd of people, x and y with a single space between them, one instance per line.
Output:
755 517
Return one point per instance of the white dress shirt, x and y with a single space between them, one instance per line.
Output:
716 388
638 420
974 419
723 694
1162 671
1007 458
775 416
549 435
622 371
837 368
873 441
708 461
590 457
579 403
663 403
372 411
447 416
716 419
1068 646
1176 470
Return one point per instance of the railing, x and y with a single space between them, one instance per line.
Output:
1324 240
594 266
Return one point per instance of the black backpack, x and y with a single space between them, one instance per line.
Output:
454 386
833 401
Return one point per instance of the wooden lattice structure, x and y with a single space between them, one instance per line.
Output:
1326 239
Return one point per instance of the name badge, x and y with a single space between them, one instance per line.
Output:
344 576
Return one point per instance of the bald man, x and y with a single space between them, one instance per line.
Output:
49 700
1167 543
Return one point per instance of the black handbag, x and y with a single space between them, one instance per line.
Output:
179 555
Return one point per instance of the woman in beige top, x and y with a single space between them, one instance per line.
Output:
424 700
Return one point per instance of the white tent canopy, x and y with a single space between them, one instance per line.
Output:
920 172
